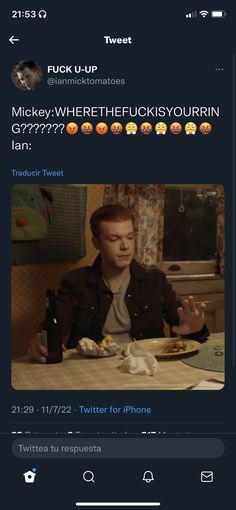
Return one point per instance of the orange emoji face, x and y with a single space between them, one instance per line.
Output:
205 128
175 128
101 128
146 128
116 128
87 128
72 128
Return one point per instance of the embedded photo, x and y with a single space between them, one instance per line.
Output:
118 287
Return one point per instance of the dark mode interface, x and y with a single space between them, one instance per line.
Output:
118 255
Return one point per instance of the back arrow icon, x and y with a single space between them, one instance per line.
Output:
13 39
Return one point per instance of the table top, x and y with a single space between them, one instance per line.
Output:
76 373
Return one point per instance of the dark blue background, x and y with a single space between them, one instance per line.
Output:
176 483
171 62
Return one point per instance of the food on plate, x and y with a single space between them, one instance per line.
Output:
86 344
88 347
106 341
174 347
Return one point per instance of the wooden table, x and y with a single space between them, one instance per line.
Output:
76 373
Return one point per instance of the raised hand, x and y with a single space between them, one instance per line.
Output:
191 317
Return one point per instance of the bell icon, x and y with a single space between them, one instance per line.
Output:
148 476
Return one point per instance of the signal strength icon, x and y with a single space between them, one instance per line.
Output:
203 13
191 14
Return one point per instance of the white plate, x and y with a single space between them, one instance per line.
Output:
157 346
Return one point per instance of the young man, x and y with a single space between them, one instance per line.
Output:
28 74
117 295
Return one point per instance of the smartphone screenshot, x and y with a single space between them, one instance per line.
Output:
118 255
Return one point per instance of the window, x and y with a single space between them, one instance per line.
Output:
189 244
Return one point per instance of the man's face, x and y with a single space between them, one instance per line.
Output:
116 243
28 77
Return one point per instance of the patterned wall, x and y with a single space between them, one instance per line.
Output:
29 283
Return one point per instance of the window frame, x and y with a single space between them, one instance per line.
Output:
190 267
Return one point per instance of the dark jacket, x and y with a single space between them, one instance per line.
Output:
84 299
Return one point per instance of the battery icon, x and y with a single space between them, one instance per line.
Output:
218 14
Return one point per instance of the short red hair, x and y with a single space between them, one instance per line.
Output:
110 212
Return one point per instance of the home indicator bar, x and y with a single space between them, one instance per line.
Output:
116 503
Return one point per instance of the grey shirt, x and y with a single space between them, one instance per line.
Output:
118 322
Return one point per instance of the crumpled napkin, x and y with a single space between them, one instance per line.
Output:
87 347
138 361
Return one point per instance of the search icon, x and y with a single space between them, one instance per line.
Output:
88 476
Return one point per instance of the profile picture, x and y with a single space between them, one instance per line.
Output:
27 75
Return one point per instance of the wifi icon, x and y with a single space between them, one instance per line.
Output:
203 13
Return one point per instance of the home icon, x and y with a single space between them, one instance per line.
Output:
30 476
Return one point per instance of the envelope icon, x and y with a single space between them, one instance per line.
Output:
207 476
